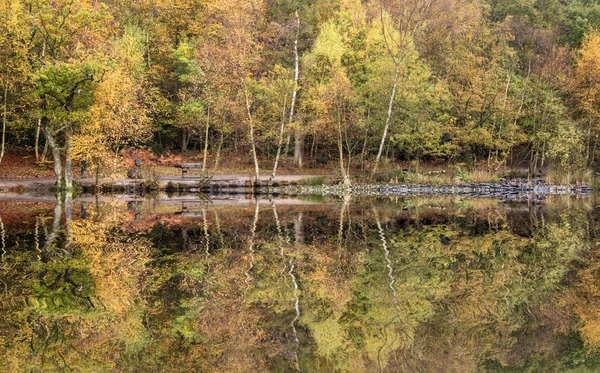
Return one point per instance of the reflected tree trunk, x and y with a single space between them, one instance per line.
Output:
297 311
205 229
51 237
3 239
251 242
299 230
346 201
68 220
206 140
185 238
218 226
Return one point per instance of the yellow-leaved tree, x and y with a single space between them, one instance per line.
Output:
119 114
586 86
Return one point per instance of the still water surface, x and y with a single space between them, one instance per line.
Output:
284 285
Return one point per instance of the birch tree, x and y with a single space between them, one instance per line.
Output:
399 23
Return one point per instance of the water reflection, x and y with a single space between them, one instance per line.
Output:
342 285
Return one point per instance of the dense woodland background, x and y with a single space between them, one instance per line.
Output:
491 83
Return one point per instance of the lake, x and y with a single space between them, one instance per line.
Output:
238 284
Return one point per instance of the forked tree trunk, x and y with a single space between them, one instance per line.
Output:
279 143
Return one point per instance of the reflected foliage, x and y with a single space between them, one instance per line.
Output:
423 285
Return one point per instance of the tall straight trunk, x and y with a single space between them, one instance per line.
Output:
45 152
364 147
206 139
4 121
68 158
298 149
388 118
299 138
588 140
251 133
55 156
293 103
341 150
38 129
218 155
184 139
287 144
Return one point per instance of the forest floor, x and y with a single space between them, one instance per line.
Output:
21 164
20 169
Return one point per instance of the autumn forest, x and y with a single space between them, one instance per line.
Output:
355 84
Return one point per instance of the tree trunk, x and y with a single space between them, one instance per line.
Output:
38 129
341 150
252 143
55 155
298 149
287 144
206 139
388 118
364 147
68 219
4 121
279 143
218 155
68 158
299 138
184 139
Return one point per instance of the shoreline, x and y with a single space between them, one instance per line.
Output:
300 185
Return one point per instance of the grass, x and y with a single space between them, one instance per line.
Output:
317 180
564 177
449 175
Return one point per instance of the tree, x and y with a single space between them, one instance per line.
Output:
586 83
14 65
399 23
330 97
68 40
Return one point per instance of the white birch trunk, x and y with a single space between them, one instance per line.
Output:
388 118
55 155
252 142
